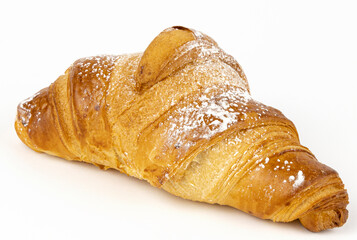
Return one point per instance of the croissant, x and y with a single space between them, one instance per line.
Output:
180 116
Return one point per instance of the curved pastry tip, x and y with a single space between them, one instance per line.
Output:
317 221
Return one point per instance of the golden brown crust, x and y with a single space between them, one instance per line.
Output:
317 221
181 117
36 124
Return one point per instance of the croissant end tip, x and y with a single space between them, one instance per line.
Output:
317 221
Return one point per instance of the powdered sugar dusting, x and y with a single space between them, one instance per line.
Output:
212 114
201 50
26 107
99 66
90 82
299 180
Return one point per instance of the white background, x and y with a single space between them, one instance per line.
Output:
299 56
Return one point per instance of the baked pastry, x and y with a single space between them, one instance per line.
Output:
180 116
